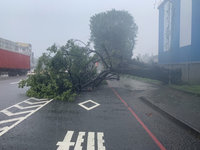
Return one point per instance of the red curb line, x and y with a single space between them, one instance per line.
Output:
140 121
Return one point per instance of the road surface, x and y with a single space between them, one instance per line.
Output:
110 118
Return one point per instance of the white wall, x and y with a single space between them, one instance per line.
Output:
185 22
167 25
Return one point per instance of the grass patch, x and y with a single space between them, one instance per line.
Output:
143 79
194 89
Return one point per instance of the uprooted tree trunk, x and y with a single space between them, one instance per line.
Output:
151 71
104 75
107 73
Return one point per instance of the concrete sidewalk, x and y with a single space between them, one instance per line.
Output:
182 106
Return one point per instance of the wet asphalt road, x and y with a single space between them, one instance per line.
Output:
9 93
121 121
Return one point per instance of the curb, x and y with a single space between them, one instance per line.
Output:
187 126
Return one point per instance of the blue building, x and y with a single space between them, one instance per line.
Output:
179 37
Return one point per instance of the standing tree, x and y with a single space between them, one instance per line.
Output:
113 34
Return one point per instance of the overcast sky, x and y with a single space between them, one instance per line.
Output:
44 22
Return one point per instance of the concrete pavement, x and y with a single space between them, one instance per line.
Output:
182 106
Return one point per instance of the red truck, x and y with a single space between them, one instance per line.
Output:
15 57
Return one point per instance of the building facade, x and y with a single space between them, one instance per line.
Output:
179 37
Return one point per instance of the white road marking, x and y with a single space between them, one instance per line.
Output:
89 101
100 140
67 144
4 128
20 119
22 102
90 141
8 113
33 103
16 82
27 107
38 99
11 120
79 141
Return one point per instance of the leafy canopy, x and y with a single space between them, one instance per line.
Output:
114 32
61 73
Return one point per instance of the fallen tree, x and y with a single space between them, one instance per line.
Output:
64 71
152 71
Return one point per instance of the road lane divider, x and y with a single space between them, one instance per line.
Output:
34 105
153 137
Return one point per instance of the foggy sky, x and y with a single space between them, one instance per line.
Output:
44 22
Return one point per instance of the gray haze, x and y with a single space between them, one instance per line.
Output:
44 22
